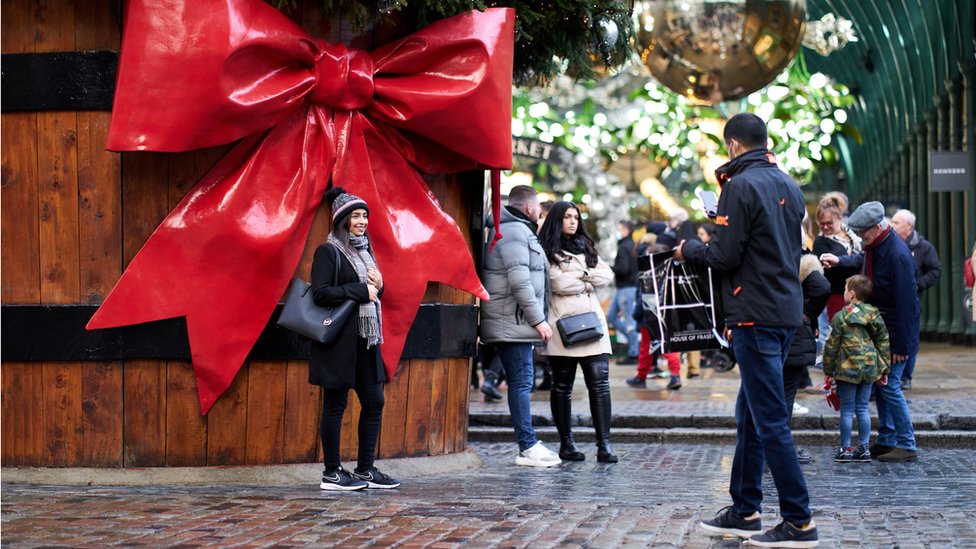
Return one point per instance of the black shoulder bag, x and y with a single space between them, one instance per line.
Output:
302 316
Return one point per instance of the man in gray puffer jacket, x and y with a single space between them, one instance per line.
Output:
516 277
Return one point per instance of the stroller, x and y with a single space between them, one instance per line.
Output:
720 360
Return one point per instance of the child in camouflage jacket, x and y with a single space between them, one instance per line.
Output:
856 355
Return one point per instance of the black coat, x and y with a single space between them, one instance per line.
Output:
929 268
837 279
625 264
803 350
334 366
756 246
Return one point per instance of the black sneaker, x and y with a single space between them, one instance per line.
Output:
861 454
375 479
843 455
725 522
786 535
341 480
803 456
637 382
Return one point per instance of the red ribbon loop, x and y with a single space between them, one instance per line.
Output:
344 77
303 113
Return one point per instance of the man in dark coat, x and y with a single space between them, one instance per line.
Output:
624 298
927 264
887 261
756 250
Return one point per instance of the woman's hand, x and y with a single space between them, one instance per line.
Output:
375 278
374 292
829 260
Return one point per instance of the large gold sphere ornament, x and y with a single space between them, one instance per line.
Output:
718 50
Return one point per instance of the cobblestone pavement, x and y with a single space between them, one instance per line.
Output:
944 390
653 498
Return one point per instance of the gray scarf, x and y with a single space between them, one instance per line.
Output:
370 314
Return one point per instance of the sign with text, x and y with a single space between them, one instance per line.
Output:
949 171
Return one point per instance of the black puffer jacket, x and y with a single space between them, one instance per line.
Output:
625 264
816 290
757 243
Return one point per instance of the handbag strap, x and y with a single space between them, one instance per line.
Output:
338 258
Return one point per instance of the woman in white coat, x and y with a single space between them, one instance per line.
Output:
575 272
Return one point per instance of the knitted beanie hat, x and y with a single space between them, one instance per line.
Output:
343 203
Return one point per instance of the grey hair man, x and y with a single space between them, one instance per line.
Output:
928 268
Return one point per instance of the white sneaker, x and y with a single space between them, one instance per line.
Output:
538 456
799 410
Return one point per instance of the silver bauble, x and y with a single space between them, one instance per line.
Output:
718 50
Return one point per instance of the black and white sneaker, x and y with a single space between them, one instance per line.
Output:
786 535
376 479
341 480
726 522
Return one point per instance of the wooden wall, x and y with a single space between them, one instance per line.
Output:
73 215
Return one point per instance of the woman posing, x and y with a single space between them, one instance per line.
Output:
353 360
575 272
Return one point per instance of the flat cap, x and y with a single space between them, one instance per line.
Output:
866 215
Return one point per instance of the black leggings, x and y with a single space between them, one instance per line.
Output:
334 405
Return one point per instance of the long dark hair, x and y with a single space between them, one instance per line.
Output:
551 234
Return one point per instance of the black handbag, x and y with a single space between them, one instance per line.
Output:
579 328
301 315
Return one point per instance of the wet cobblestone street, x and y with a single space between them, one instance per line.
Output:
654 497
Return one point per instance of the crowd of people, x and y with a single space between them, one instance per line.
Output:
847 301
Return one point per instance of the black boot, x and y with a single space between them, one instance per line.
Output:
597 373
561 404
490 388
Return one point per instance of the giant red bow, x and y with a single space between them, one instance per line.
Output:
196 74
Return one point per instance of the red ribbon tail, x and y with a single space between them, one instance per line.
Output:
496 206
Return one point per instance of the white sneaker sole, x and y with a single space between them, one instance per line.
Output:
745 534
382 486
527 462
336 488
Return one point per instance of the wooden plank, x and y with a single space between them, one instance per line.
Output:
145 199
144 413
227 424
393 432
16 398
19 246
303 408
437 433
100 209
265 412
100 24
186 429
349 443
459 387
62 413
99 173
417 431
102 414
19 236
57 159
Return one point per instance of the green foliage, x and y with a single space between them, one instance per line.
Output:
551 36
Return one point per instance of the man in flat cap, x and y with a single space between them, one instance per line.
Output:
887 261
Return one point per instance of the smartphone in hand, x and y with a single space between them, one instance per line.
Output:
709 203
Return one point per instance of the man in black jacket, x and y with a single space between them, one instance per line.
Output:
625 276
928 268
756 248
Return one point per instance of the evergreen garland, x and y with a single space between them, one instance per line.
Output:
551 36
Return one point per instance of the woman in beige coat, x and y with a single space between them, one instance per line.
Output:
575 272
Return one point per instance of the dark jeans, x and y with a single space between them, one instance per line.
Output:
370 416
792 379
762 424
520 374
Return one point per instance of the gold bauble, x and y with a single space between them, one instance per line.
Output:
718 50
